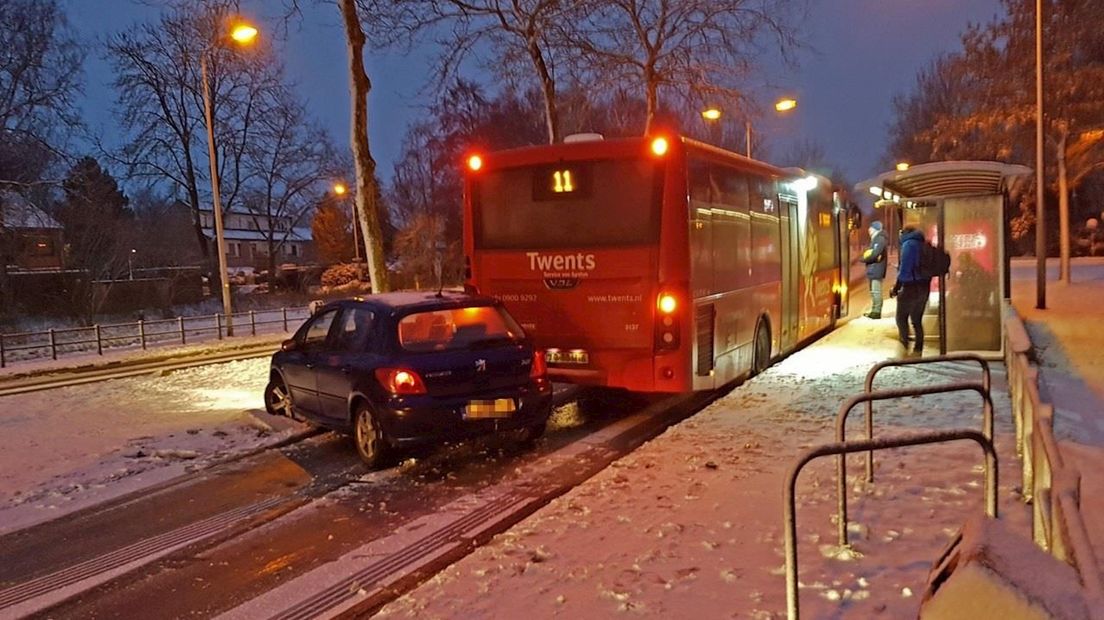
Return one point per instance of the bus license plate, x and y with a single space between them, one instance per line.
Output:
567 357
498 408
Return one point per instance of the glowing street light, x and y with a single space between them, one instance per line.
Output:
711 114
242 34
340 189
785 105
902 166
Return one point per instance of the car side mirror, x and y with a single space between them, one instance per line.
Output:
288 345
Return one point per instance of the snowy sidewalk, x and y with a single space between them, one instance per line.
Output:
690 525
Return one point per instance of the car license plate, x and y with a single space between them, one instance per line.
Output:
574 356
498 408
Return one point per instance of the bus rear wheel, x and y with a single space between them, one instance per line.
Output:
762 349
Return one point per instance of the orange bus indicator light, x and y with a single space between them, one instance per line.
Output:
475 162
660 146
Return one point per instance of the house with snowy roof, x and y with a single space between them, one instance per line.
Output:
29 238
250 234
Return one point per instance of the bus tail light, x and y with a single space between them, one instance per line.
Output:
667 303
659 146
400 381
667 322
475 162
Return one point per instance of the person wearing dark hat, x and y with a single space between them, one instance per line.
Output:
875 259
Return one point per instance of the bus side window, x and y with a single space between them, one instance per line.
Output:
701 229
731 235
765 244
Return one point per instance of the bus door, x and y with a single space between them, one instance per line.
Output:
791 265
843 247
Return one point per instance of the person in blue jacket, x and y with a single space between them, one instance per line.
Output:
875 259
911 290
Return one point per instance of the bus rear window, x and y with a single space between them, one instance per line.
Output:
569 205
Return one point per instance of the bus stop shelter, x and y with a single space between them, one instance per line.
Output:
959 206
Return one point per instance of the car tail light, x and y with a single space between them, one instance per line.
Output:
400 381
539 369
667 321
538 372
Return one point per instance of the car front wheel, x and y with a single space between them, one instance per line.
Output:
368 437
277 399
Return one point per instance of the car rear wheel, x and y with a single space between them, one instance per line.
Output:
529 435
277 399
368 436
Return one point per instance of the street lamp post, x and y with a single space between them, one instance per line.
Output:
242 34
713 114
130 263
1040 163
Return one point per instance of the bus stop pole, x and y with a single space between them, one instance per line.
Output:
943 280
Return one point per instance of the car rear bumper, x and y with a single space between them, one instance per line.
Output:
423 419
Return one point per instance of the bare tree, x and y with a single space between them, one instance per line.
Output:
289 162
524 39
157 78
691 50
40 77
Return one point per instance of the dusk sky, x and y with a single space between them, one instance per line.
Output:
865 51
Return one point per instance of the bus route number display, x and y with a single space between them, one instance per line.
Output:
561 182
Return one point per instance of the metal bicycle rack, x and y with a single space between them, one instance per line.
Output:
844 448
847 407
868 387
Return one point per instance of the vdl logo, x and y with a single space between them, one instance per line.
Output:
480 365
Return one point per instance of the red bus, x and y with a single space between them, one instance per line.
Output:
656 264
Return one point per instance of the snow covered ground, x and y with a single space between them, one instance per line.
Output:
690 525
68 448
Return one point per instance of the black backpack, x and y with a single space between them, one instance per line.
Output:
934 262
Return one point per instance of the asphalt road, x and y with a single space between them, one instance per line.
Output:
207 544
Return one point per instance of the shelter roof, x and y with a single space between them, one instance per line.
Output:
946 179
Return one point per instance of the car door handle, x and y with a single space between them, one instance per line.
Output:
346 369
310 366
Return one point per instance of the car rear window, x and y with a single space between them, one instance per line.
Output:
457 328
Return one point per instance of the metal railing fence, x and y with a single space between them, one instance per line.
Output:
848 406
55 342
842 449
1051 484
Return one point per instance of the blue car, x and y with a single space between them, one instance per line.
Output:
399 369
